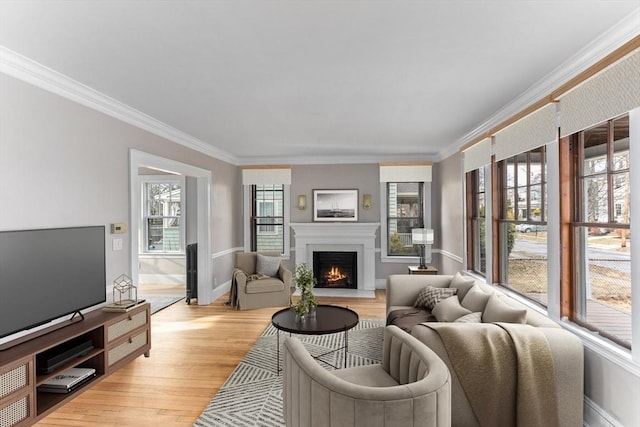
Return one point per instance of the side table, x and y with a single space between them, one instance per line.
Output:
414 269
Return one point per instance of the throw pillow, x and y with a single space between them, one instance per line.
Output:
470 318
475 299
498 311
430 296
449 310
268 265
462 284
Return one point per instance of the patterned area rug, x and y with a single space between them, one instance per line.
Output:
252 395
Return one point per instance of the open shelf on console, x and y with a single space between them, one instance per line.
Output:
122 335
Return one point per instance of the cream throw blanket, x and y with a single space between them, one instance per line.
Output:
506 371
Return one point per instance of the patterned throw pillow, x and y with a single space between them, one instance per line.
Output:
430 296
268 265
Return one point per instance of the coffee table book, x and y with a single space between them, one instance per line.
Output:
123 306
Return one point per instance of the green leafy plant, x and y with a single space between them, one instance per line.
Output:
305 281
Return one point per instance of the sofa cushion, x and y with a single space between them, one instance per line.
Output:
449 310
267 265
462 284
259 286
498 311
430 296
475 299
368 376
470 318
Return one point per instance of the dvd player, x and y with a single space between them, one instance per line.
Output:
49 360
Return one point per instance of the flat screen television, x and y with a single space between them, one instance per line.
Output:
49 273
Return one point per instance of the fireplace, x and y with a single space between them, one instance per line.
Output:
336 269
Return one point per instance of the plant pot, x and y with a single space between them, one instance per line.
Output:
312 313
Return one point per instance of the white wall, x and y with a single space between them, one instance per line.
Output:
63 164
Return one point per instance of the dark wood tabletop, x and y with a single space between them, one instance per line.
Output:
329 319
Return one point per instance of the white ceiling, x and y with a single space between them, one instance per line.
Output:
311 81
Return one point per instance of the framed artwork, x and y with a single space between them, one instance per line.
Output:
335 205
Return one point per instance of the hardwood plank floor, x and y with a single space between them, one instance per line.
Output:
193 351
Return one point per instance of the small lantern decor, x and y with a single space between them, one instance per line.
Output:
125 294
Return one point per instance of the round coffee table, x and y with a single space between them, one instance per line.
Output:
330 319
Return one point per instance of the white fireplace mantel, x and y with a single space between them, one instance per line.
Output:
357 237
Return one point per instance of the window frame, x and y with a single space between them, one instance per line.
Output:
500 254
254 218
144 213
573 288
384 221
475 243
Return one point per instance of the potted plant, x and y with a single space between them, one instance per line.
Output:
301 310
305 281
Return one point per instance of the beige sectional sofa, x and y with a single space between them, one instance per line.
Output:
510 365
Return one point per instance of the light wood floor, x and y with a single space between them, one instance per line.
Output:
193 351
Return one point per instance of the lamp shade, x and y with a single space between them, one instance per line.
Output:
421 236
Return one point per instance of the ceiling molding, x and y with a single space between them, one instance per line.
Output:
616 37
27 70
340 160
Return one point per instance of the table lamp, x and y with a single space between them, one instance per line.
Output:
421 237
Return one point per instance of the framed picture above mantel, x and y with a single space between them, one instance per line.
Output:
335 205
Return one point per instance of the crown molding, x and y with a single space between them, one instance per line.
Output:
609 41
32 72
338 159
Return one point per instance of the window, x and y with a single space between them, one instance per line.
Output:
476 222
267 218
600 292
405 201
162 215
523 230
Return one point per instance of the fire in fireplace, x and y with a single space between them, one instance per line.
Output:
336 269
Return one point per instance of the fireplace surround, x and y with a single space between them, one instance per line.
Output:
356 237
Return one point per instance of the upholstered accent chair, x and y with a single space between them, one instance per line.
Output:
256 285
410 388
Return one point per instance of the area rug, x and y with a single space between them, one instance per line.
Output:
252 395
161 302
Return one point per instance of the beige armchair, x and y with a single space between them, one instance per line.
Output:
410 388
254 291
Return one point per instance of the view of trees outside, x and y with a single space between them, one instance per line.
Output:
268 219
162 216
526 240
404 200
605 268
603 262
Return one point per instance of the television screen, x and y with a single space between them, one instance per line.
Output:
46 274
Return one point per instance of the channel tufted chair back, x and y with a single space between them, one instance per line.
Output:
412 387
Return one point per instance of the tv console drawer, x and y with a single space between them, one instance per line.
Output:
15 412
125 326
14 379
127 348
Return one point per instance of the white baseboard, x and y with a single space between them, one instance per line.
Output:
595 416
165 279
220 290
